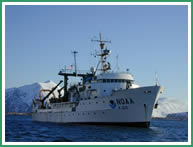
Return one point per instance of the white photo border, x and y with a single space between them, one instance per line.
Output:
96 3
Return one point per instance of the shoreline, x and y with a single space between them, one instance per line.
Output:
18 113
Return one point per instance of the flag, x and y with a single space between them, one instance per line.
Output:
70 67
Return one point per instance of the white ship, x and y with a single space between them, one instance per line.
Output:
102 97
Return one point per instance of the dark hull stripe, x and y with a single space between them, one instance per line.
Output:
128 124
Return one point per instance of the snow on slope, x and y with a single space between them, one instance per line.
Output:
20 99
169 106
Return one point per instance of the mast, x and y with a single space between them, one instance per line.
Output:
117 63
104 53
75 52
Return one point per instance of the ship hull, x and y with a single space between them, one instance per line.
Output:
131 107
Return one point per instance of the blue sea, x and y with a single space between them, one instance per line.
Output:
22 129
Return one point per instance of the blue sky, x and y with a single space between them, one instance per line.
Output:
148 39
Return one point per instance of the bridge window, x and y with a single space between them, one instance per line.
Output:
114 81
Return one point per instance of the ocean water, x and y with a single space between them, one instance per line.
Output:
22 129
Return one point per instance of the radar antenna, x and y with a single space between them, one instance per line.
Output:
104 53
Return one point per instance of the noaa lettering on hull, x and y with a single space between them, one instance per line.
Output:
102 97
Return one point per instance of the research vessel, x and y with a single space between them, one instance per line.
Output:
101 97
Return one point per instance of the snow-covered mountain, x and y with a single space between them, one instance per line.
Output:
168 106
20 99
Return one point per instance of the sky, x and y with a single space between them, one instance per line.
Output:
147 39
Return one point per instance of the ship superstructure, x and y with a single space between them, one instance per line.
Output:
102 97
